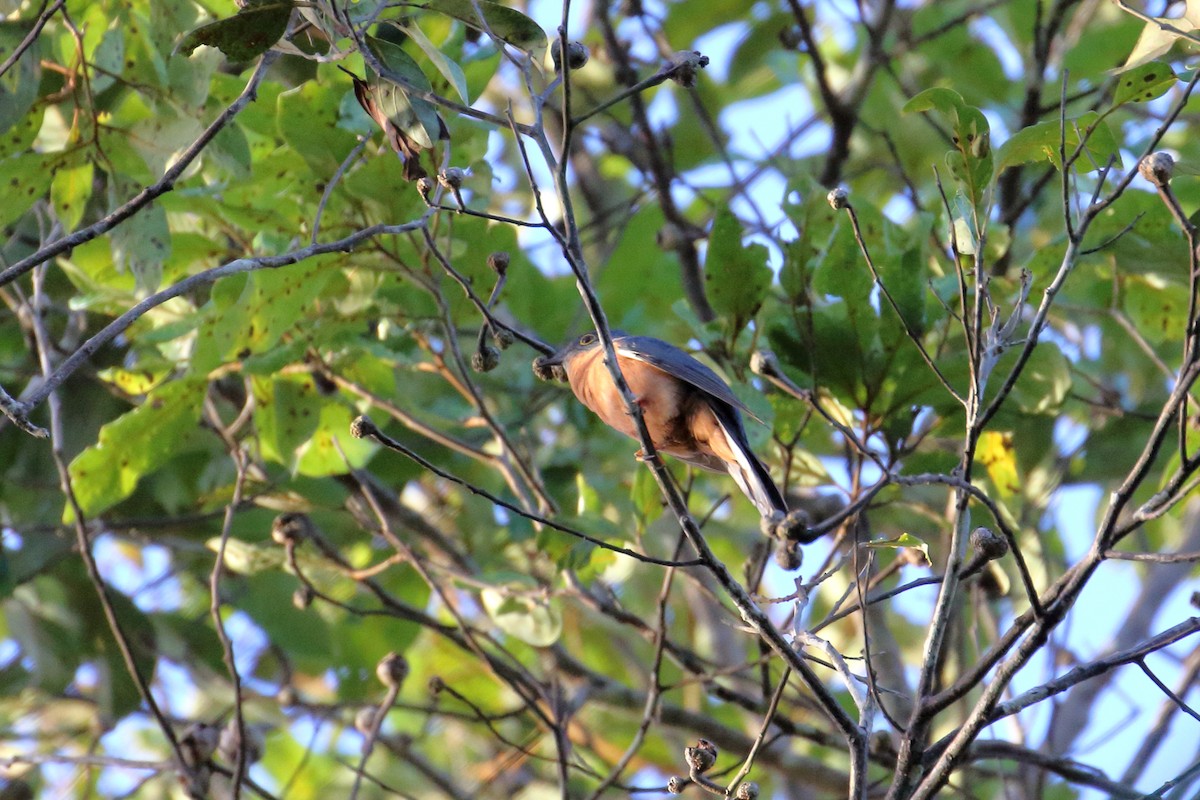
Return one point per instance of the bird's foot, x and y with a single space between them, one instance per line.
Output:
640 455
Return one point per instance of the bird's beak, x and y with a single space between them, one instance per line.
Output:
553 366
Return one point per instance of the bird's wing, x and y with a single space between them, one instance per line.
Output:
672 360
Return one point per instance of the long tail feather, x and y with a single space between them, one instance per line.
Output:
750 474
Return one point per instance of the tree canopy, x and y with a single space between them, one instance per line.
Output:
286 512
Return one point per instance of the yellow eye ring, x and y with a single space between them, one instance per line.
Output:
587 339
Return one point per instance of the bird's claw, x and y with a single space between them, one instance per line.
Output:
640 455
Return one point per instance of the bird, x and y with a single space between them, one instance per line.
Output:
690 413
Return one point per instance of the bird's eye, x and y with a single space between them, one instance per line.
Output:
587 339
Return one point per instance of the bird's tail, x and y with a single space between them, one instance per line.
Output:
750 474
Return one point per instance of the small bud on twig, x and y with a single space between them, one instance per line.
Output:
700 756
302 598
788 555
684 65
362 426
452 178
988 544
577 55
364 720
839 198
424 187
763 362
391 670
1157 168
747 791
290 528
498 262
485 359
544 372
503 338
795 527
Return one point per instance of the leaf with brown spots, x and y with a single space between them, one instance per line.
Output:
134 445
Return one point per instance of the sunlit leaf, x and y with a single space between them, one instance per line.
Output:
533 619
1161 33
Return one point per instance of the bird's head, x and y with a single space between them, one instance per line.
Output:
556 364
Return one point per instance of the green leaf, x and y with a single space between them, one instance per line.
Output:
246 35
135 444
1156 306
19 85
936 98
18 137
905 278
138 381
646 497
248 314
970 163
450 70
507 24
1044 382
332 450
532 618
1040 142
108 57
70 191
287 410
307 118
141 244
1144 83
736 276
905 541
245 558
24 178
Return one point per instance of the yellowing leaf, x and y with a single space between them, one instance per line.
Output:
1160 33
999 457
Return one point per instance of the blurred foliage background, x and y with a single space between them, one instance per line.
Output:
213 262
